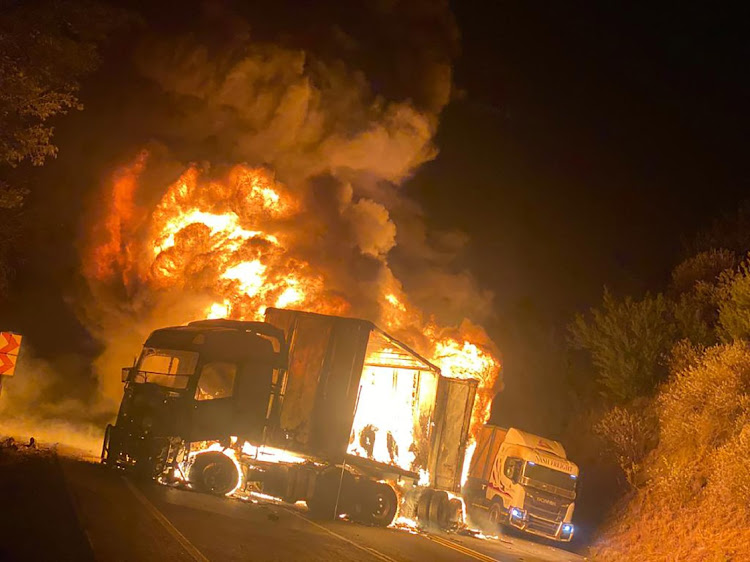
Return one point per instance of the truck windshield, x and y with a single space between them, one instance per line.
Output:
167 368
545 475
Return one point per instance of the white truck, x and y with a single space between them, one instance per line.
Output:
521 480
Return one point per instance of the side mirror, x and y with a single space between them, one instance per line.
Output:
125 373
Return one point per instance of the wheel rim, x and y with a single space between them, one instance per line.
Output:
495 514
216 477
382 506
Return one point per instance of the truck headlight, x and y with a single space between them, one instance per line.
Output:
516 513
566 531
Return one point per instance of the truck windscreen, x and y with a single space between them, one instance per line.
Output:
167 368
550 476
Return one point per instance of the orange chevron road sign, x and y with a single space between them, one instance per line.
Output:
10 345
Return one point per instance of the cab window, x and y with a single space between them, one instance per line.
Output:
216 381
166 368
512 468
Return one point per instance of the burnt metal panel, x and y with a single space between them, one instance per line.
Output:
215 342
337 392
326 354
455 400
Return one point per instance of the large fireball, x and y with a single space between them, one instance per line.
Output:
238 241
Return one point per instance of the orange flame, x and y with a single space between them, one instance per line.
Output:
230 240
112 253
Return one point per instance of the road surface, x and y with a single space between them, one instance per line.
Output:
102 515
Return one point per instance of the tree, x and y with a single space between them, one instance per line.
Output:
628 342
734 310
45 48
630 434
704 267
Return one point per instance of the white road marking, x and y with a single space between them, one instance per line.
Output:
459 548
196 554
366 549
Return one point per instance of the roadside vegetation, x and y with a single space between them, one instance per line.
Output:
47 48
672 407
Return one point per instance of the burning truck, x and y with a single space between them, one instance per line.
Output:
304 407
331 411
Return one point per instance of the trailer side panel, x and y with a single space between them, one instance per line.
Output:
326 355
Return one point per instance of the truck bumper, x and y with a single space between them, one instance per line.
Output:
542 527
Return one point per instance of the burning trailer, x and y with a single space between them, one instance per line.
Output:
307 407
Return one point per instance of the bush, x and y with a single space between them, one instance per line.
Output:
629 342
705 403
630 433
704 267
734 310
693 506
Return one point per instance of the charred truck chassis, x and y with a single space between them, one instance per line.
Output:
279 401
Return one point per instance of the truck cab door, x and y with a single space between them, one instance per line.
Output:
231 399
213 410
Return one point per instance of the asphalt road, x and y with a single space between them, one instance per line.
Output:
124 520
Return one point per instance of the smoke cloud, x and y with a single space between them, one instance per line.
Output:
338 117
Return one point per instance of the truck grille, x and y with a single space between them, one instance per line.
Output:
541 526
546 506
546 512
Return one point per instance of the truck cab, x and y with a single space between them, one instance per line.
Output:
517 479
200 382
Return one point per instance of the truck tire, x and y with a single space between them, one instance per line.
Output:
496 515
439 509
455 511
213 473
327 498
377 503
423 506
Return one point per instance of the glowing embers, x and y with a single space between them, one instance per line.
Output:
209 466
226 476
394 408
270 454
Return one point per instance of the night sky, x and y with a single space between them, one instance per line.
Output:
589 139
590 142
585 142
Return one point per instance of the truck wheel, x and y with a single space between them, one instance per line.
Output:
423 506
326 494
439 509
377 505
496 515
214 473
455 511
